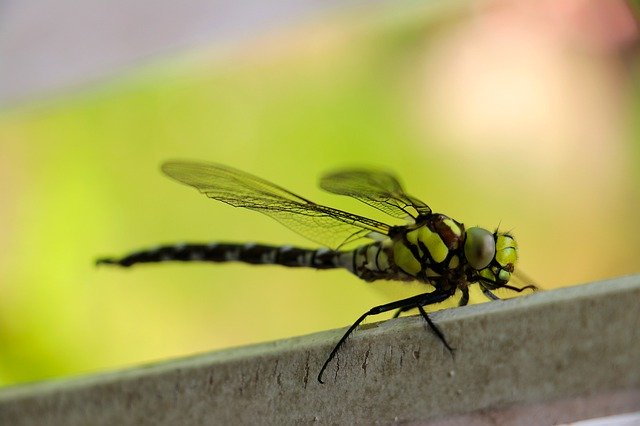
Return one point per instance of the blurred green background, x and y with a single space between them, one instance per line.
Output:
518 114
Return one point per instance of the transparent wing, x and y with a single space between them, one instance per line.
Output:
324 225
376 188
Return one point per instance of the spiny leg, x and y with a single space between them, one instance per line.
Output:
401 310
492 285
433 281
435 329
404 304
489 293
520 290
464 300
487 285
522 277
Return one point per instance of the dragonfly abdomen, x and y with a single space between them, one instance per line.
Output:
257 254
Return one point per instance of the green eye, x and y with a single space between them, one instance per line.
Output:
479 247
504 276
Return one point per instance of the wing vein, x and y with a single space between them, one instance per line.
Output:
322 224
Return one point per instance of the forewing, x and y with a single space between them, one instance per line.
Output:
324 225
376 188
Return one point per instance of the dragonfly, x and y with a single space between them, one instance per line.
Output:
431 248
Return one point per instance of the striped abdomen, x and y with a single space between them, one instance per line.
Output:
256 254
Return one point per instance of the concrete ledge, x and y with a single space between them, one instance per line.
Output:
554 356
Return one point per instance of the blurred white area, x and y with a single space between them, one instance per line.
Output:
630 419
49 46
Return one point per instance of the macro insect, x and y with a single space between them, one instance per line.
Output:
432 249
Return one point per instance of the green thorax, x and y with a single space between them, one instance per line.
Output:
431 246
438 245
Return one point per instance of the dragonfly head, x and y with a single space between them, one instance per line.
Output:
493 254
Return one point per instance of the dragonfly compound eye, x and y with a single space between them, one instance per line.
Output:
506 255
479 247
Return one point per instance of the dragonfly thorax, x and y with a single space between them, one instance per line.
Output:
432 246
439 245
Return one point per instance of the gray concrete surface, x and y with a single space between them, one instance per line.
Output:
551 357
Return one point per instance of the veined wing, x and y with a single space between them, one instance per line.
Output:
376 188
324 225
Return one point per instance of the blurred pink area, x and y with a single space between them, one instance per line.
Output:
540 89
541 73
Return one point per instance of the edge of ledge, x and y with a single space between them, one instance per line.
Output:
542 347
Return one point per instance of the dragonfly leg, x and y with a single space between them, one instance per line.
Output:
433 280
401 310
519 290
435 329
491 284
489 293
464 300
402 305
